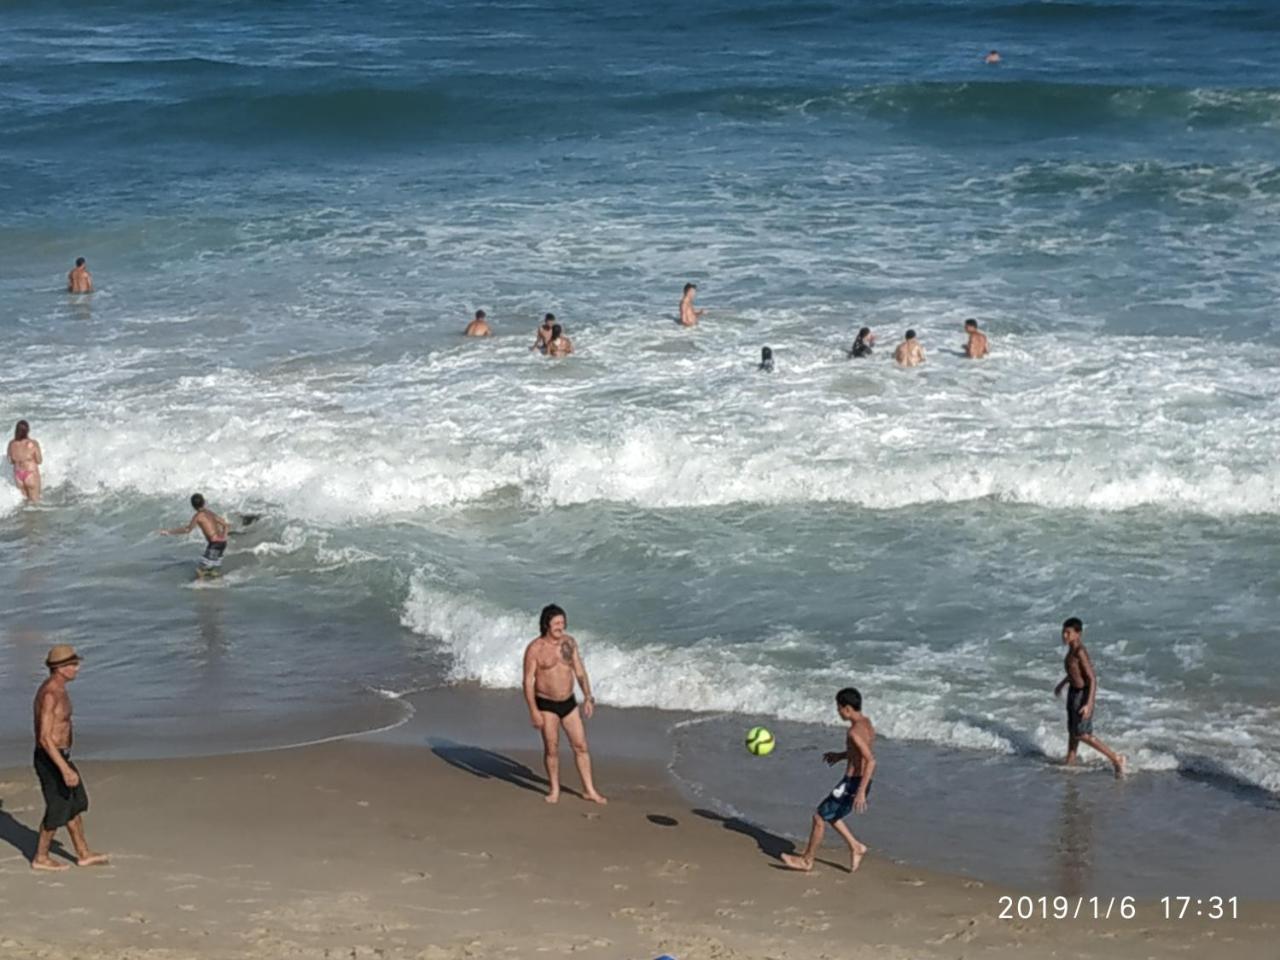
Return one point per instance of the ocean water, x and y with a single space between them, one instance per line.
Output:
291 211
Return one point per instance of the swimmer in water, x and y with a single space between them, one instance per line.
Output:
909 352
992 58
977 346
543 334
479 327
862 344
79 280
766 360
25 455
688 315
215 530
559 345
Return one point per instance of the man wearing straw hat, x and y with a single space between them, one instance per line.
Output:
65 799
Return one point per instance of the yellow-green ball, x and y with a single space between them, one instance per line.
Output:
760 742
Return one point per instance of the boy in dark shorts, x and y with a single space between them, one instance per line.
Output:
851 792
1080 698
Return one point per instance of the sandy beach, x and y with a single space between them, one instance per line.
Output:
365 849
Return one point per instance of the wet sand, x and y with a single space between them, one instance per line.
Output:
368 849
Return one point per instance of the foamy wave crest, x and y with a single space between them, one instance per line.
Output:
910 703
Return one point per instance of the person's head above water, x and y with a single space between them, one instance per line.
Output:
197 501
79 261
993 56
21 430
766 359
549 319
556 330
480 314
971 324
911 335
688 287
864 333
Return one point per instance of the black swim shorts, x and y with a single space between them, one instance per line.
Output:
1078 726
561 708
839 804
62 804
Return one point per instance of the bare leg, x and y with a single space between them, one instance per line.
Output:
41 860
1073 744
804 862
577 734
1117 760
84 856
551 754
857 850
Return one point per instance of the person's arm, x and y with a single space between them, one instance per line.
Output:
868 770
179 531
1057 691
48 721
580 671
39 453
1090 678
530 676
835 756
88 282
569 348
71 283
9 450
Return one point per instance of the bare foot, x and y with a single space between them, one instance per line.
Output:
1122 766
1069 762
797 863
47 864
552 797
93 860
596 798
855 857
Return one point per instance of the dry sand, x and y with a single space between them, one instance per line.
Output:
358 849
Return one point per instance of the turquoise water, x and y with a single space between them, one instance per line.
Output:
291 212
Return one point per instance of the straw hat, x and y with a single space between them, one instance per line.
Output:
61 655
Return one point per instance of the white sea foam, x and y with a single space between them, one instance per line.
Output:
920 696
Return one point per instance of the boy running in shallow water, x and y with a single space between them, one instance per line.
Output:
1080 698
851 792
215 530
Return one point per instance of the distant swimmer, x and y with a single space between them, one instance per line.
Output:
65 798
559 345
1083 682
25 455
909 352
851 792
992 58
479 327
862 343
977 347
79 280
766 360
688 315
215 530
552 662
543 334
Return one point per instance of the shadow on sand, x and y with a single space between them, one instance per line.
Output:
488 765
23 839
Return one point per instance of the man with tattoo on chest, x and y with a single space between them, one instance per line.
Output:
551 664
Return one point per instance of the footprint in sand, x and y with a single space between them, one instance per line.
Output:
416 877
912 881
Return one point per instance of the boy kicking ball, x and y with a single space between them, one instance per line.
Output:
851 792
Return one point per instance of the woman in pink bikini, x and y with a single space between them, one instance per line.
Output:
24 454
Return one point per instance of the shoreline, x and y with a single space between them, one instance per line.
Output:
1020 821
364 848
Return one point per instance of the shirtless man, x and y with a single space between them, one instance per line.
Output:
977 347
215 530
65 799
551 662
850 793
543 334
559 345
479 327
909 352
1080 698
688 315
25 455
79 280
